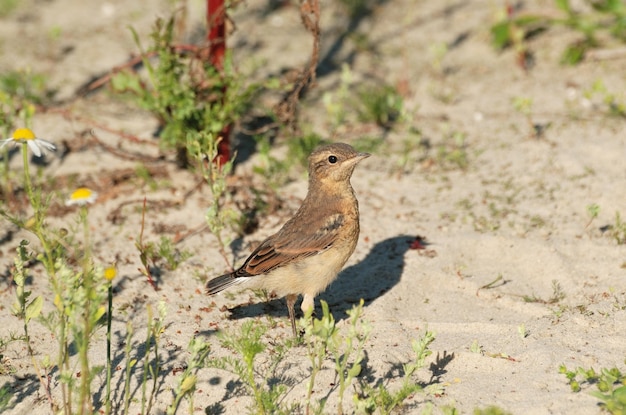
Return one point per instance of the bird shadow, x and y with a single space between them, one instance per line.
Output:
369 279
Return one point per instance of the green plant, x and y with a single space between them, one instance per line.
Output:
557 295
189 96
618 230
413 141
248 347
322 336
603 19
611 102
187 380
452 151
275 171
593 210
337 102
610 384
371 399
158 255
381 104
220 216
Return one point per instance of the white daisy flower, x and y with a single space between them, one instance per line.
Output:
81 197
24 135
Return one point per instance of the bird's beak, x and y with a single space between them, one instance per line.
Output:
356 159
361 156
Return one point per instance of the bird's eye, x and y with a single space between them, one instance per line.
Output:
332 159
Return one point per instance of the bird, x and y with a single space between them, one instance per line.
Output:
308 252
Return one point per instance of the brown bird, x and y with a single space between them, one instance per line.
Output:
308 252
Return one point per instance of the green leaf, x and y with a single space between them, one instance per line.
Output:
501 35
34 309
354 371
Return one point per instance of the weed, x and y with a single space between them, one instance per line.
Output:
381 104
272 169
81 296
413 141
475 347
336 102
22 89
496 282
187 380
380 399
593 210
20 92
610 103
453 150
523 105
189 96
604 19
248 346
146 251
220 216
348 353
157 255
557 295
618 230
610 383
523 332
258 365
144 175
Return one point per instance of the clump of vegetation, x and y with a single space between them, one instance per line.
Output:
260 365
381 104
192 99
602 20
610 385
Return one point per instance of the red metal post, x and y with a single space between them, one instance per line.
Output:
216 37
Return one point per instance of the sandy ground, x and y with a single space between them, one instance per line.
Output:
518 210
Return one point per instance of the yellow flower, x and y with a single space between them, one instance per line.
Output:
24 135
110 273
81 196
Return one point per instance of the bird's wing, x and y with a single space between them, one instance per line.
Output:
291 244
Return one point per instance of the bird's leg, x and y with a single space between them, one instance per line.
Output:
291 301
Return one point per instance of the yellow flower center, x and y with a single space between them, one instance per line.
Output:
23 134
81 194
110 273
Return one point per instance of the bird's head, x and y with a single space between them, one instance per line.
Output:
333 163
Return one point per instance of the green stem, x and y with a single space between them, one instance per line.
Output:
146 359
85 378
37 229
109 320
129 365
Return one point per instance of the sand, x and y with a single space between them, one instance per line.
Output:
493 201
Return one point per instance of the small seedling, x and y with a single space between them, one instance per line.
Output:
523 332
618 230
593 210
476 348
492 284
382 105
610 383
557 295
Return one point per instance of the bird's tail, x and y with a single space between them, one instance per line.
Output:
220 283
